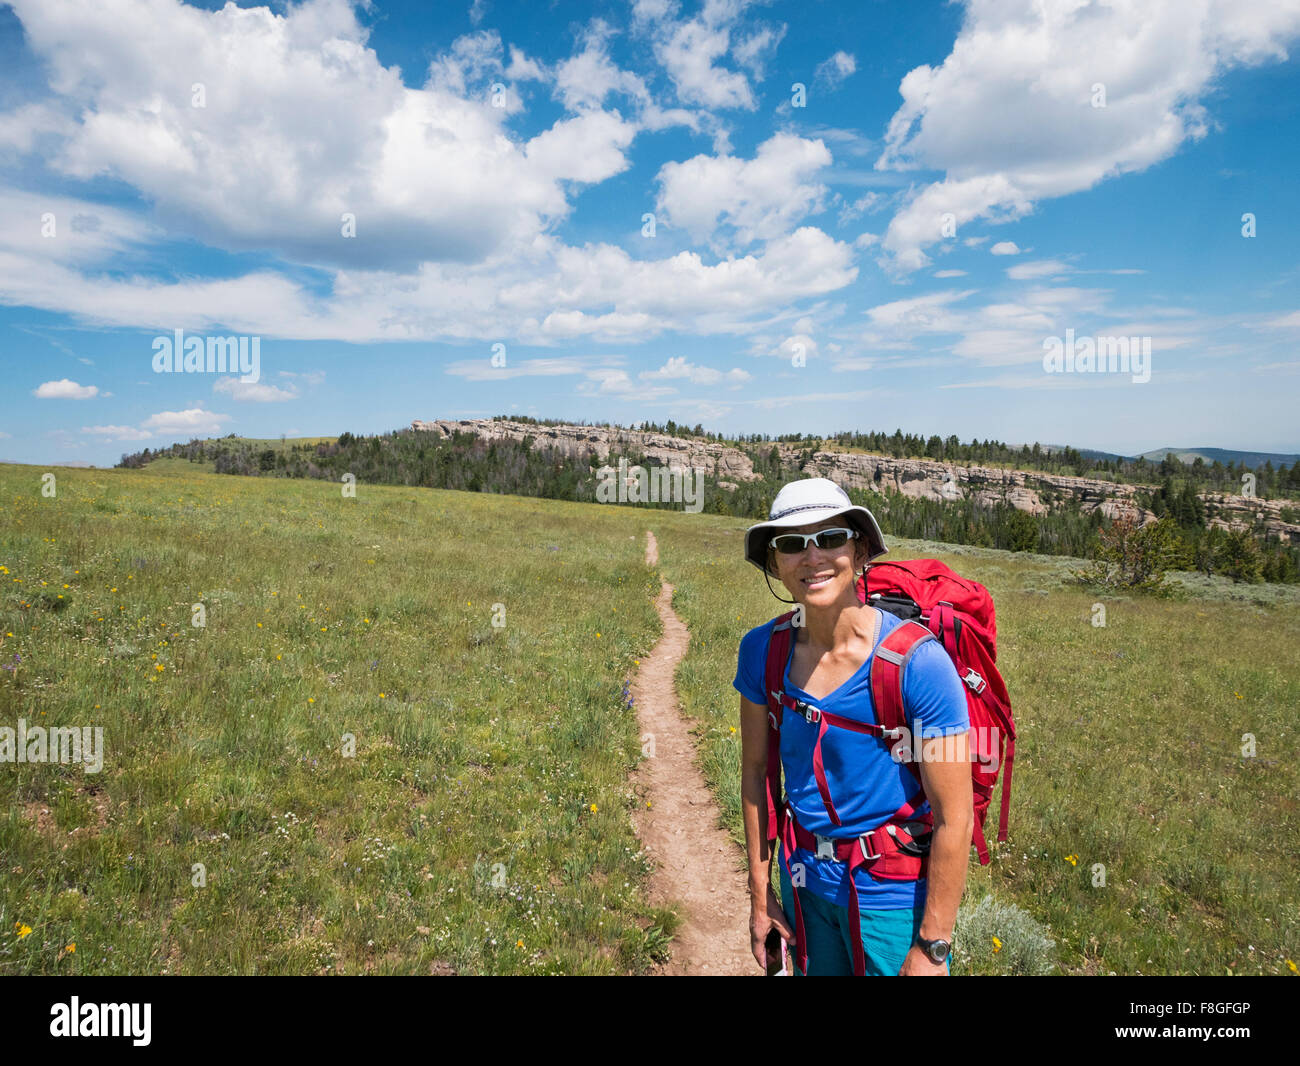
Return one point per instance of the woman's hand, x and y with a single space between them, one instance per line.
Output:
764 916
919 964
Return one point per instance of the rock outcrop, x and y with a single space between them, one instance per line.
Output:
596 441
917 478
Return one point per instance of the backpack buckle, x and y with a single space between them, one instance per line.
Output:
825 847
864 844
812 715
974 680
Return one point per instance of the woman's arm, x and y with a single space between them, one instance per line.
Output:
764 906
945 776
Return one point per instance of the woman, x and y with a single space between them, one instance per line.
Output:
905 927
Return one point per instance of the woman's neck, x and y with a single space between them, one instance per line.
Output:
831 626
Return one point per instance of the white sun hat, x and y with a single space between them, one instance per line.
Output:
804 503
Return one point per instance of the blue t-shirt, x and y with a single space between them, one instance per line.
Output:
866 784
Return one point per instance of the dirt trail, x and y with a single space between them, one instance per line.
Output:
699 869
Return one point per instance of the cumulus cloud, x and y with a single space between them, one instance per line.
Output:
759 198
301 125
1010 115
192 422
64 389
692 50
680 367
1005 248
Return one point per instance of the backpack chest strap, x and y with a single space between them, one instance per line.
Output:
823 720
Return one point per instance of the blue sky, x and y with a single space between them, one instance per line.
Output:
956 185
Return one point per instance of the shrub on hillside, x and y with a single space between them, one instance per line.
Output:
1135 558
995 938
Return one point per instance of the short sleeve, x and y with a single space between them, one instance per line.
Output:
751 664
933 694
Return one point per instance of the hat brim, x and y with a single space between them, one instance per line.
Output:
757 536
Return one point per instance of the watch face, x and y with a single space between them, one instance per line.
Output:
938 950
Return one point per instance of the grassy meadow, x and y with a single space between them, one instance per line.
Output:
1129 756
482 823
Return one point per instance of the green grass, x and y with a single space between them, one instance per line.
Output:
1130 757
483 824
463 824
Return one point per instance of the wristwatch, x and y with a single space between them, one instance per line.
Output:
936 950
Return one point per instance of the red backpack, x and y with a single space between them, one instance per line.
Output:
936 604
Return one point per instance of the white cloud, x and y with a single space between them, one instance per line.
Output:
834 69
190 423
588 148
1040 268
1005 248
608 382
950 273
586 78
252 392
541 293
799 345
1009 116
691 51
302 125
64 389
680 367
483 370
111 433
522 68
761 198
193 422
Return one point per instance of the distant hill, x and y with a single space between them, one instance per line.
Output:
1189 455
1222 455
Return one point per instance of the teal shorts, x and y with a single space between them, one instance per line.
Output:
887 936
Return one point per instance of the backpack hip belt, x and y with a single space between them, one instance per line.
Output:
893 851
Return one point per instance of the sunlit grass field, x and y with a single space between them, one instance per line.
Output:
483 823
1129 757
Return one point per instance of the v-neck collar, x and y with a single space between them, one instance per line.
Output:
817 701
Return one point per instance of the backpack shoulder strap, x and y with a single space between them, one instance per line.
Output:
778 651
891 658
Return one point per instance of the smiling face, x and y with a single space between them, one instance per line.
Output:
820 577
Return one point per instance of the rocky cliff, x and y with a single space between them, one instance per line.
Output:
919 478
589 442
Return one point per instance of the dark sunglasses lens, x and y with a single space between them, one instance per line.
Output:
788 544
832 538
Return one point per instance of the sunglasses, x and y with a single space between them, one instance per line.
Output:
794 543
